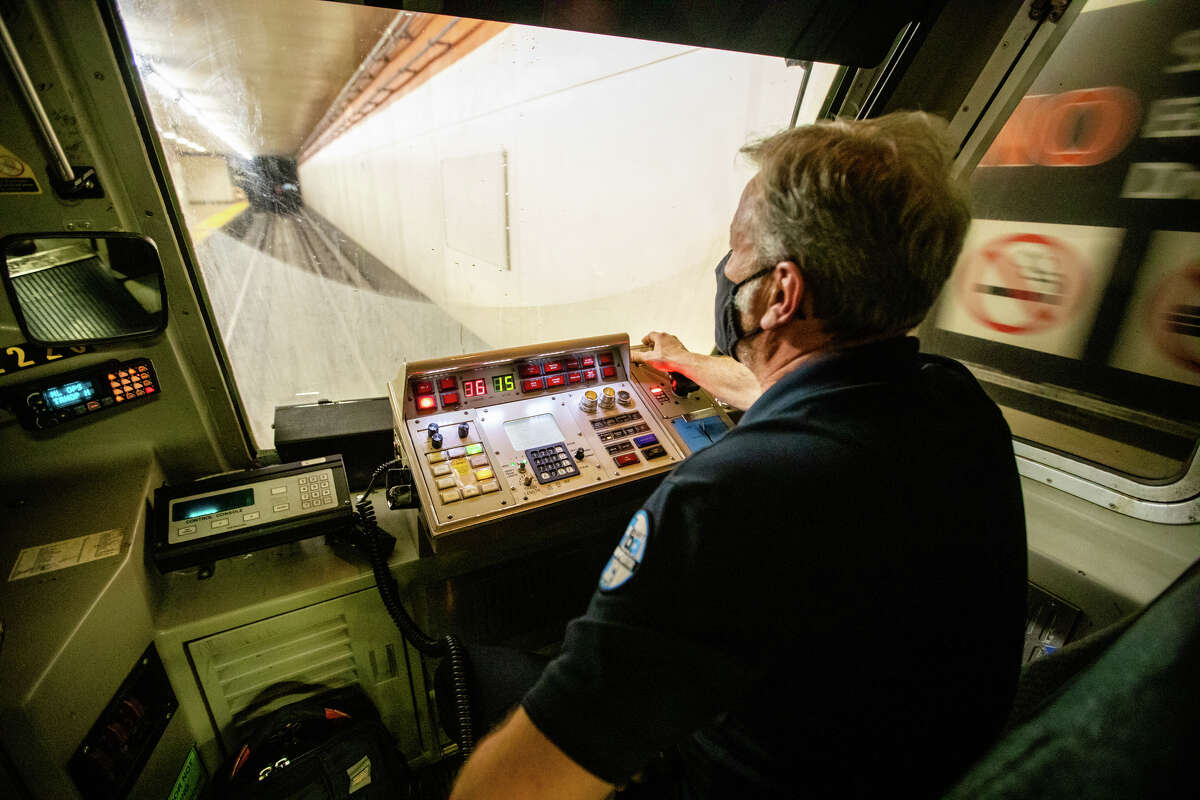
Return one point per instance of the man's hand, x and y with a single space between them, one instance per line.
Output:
517 762
664 354
719 375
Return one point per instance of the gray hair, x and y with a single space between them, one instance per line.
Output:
869 214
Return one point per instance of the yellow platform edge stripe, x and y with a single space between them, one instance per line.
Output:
218 220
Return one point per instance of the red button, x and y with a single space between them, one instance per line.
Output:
626 459
448 383
605 358
449 399
149 390
93 404
609 372
571 363
574 377
120 399
589 374
531 385
556 380
423 387
426 402
528 370
588 361
552 366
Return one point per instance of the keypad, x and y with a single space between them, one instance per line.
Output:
551 463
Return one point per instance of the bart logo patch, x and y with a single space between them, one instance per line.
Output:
628 555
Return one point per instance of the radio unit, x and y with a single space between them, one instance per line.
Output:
226 515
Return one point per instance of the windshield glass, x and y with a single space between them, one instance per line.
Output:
365 187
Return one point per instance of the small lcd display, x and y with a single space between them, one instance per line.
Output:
211 505
69 394
474 388
537 431
503 383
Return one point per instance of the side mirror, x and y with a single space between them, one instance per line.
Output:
75 288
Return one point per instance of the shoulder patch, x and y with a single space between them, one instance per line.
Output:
629 553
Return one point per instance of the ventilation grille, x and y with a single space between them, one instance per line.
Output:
317 654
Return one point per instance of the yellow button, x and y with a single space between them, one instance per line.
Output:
484 474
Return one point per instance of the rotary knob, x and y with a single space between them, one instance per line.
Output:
624 398
528 480
435 439
521 467
587 401
464 430
609 398
579 454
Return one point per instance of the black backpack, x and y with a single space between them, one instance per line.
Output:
331 746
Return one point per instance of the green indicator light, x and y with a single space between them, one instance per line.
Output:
474 449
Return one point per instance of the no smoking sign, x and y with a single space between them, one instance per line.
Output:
1022 283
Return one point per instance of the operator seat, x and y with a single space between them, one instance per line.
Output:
1127 726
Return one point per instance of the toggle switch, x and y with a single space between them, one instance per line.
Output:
464 430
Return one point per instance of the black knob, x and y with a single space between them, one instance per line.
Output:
464 430
436 440
579 454
528 480
433 428
521 467
681 384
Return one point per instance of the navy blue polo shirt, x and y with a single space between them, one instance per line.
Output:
830 600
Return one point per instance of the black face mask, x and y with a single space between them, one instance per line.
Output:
728 326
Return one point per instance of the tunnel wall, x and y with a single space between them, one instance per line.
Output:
622 174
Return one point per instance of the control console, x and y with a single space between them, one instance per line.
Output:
494 434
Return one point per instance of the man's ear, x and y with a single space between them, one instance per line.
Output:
786 300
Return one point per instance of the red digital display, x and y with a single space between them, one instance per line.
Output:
475 388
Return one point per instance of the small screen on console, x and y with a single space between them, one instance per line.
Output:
536 431
69 394
211 505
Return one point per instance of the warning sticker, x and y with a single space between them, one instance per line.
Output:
1030 284
68 553
16 177
1160 334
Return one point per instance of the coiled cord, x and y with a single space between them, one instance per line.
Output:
447 647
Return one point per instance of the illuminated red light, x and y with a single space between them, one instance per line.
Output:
448 383
423 387
450 399
426 402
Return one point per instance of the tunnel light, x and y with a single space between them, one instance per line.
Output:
174 94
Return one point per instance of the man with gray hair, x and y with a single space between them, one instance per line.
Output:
830 599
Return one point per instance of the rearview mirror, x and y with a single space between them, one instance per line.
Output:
72 288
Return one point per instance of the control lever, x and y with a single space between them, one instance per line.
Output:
681 384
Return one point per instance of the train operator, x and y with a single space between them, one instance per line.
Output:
829 601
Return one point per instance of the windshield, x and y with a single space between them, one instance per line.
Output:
365 187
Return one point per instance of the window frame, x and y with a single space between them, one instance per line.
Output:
1026 47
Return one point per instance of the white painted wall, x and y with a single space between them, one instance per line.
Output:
623 174
205 179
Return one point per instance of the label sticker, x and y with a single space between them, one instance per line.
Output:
68 553
628 555
359 774
16 177
310 461
191 779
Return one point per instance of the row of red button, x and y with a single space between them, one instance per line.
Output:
134 382
444 384
553 381
531 369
